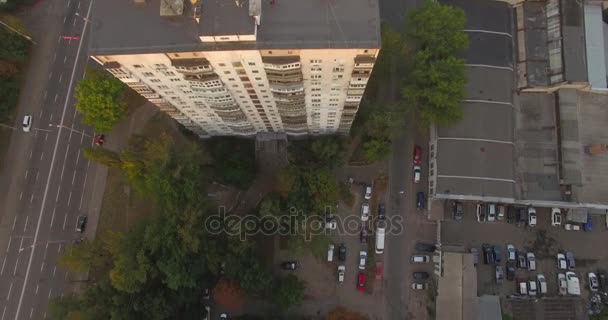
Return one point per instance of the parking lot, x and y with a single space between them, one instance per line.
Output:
544 240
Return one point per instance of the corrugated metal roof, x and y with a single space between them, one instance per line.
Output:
594 40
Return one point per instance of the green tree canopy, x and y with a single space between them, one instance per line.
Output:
100 100
289 292
104 156
328 150
376 149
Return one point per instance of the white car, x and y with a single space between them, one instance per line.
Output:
531 217
27 123
532 288
510 252
531 261
491 212
417 174
562 284
362 259
364 212
368 192
572 227
574 286
420 259
542 284
224 316
556 217
480 216
561 262
330 253
594 284
331 224
418 286
341 272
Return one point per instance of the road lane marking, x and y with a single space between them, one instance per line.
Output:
53 217
31 312
37 172
52 165
20 195
32 198
31 152
57 197
40 113
16 264
42 266
60 77
84 185
74 176
46 136
77 158
65 59
41 155
64 18
59 249
14 222
51 74
69 198
54 270
26 220
8 296
78 5
65 219
62 169
10 239
26 172
3 264
3 312
56 94
69 1
50 292
51 117
37 287
74 23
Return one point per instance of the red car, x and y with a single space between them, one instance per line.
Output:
99 139
361 281
417 154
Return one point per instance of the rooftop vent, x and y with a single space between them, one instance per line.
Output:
171 8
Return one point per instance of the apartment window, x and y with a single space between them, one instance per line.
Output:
174 79
260 85
338 69
316 61
137 66
251 63
316 100
237 64
255 71
154 80
222 64
258 79
226 72
315 76
168 73
161 87
316 89
148 74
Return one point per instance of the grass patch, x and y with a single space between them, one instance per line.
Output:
346 196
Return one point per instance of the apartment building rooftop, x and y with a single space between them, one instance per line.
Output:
126 27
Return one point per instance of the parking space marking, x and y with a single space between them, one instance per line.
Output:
20 195
490 32
476 178
53 216
41 155
10 288
69 198
60 77
26 221
57 197
26 172
488 66
3 264
74 176
32 198
65 219
14 222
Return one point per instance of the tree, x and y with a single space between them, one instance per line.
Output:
381 125
66 307
270 206
328 150
81 257
285 181
14 47
100 100
376 149
104 156
341 313
289 292
228 294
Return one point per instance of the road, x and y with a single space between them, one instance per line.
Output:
44 174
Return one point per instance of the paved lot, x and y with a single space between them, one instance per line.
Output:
544 240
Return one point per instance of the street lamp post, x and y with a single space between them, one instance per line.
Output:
17 32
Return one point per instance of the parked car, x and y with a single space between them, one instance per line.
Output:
206 294
497 254
510 270
602 277
426 247
417 174
589 224
367 192
500 212
572 227
364 212
381 212
364 234
488 253
361 281
500 275
510 252
594 284
542 284
531 217
511 215
531 261
81 223
362 259
521 260
574 286
289 265
223 316
570 260
522 286
420 259
481 215
331 223
420 200
475 256
562 264
419 286
99 139
532 289
457 211
342 252
417 154
341 273
420 275
556 217
27 123
491 211
330 253
522 217
562 285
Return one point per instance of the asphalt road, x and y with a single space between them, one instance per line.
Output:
44 174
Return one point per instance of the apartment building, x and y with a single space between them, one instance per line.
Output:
246 66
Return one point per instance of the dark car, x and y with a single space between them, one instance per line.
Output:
290 265
206 294
420 275
497 254
364 234
426 247
81 222
510 270
488 253
570 260
457 211
381 211
511 214
521 260
522 217
342 252
589 224
420 200
601 275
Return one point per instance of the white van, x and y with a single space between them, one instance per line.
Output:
380 233
330 253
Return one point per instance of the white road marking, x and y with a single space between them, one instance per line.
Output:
85 185
54 270
32 198
42 266
53 217
31 152
14 222
77 158
57 197
51 117
69 3
56 95
475 139
64 18
52 165
26 220
46 136
487 101
488 31
3 264
50 292
59 249
20 195
3 312
74 23
51 74
74 175
40 113
65 59
8 296
31 312
16 264
37 287
488 66
10 239
60 77
37 172
66 276
69 198
62 169
476 178
78 5
26 171
65 219
41 155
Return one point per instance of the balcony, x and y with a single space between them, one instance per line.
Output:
282 63
192 66
201 77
